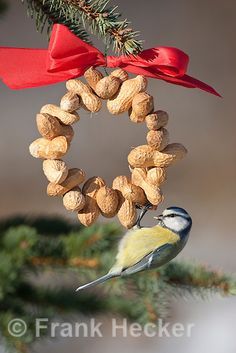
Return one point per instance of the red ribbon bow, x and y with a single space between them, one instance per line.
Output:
68 57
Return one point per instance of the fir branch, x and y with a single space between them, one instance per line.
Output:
104 21
193 278
54 11
78 15
31 247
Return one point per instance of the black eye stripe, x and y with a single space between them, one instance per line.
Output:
171 215
176 215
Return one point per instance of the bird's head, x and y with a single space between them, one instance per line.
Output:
175 219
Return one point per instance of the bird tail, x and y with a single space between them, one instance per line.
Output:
97 281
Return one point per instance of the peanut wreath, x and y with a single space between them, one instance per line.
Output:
147 163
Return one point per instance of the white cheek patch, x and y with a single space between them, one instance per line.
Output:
177 224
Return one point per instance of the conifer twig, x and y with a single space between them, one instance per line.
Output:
94 15
104 21
50 12
31 247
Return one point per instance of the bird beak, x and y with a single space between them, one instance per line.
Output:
159 218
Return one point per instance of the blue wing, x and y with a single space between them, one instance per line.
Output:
155 259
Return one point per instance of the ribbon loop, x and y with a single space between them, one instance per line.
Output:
69 57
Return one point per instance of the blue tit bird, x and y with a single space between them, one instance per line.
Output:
144 248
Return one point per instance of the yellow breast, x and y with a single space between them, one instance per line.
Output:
138 243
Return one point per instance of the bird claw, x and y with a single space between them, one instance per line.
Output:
144 210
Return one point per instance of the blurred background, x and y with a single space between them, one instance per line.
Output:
204 183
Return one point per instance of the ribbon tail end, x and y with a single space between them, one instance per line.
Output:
201 85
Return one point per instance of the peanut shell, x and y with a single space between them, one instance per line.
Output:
65 117
142 105
127 213
93 76
152 192
107 200
156 176
134 193
70 102
49 149
90 213
121 74
68 132
122 101
157 120
50 127
55 170
74 200
144 156
89 99
92 186
75 177
107 87
119 182
158 139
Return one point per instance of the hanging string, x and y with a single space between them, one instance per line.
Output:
105 55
